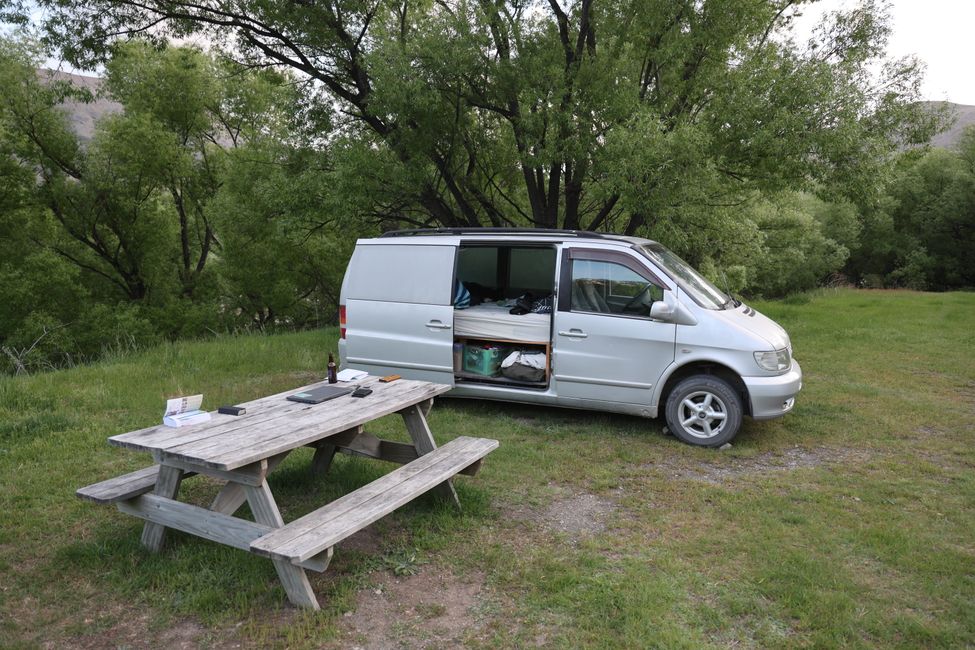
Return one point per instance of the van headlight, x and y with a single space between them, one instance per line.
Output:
773 361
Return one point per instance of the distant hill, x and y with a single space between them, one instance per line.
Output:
964 116
83 116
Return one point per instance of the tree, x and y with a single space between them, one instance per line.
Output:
597 115
280 264
143 182
933 216
116 238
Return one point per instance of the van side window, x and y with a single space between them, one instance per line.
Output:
610 288
498 272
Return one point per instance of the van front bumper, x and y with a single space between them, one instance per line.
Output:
773 397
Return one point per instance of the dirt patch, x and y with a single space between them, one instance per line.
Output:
578 516
725 467
432 609
571 514
930 432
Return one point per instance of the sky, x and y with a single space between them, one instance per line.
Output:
939 32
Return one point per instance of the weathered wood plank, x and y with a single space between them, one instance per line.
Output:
416 425
121 487
320 562
260 413
147 439
322 460
271 421
167 485
372 509
316 421
161 436
292 577
323 528
232 452
325 450
369 446
348 502
214 526
252 474
232 495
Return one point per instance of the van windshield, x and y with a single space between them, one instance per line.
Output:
706 294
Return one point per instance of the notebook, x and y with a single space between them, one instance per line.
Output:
320 394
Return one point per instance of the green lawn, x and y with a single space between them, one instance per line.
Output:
848 523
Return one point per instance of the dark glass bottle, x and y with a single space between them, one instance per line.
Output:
332 369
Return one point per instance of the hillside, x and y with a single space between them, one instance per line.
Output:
964 117
83 115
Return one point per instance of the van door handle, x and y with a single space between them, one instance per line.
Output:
437 325
574 333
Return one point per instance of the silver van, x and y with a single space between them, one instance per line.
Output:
565 318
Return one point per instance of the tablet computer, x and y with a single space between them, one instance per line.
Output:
320 394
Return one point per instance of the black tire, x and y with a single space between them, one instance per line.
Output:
709 406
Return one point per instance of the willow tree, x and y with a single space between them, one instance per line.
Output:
595 114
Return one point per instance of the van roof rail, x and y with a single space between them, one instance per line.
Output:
552 232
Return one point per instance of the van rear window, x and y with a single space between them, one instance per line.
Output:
401 273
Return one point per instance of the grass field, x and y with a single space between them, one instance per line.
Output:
848 523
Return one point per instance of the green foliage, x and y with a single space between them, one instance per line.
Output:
282 259
112 243
922 234
583 115
798 252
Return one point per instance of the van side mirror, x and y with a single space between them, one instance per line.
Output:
671 310
660 310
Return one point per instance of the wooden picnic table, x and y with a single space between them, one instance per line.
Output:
241 450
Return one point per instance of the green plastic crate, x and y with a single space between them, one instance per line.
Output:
482 360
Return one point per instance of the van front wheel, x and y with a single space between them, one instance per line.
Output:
703 410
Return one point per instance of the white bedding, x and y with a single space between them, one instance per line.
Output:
491 321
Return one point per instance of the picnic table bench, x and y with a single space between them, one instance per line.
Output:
241 450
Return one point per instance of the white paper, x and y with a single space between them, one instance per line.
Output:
184 411
350 374
179 405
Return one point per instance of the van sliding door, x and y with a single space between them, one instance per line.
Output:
399 311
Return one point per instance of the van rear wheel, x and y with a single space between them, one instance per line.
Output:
704 410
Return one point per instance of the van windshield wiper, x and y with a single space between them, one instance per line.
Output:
727 291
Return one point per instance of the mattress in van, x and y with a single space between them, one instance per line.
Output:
491 321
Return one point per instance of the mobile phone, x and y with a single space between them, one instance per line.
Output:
232 410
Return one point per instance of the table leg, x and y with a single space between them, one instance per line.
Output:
322 460
292 577
232 495
326 449
416 424
167 485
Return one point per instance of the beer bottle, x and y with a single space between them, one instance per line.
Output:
332 369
